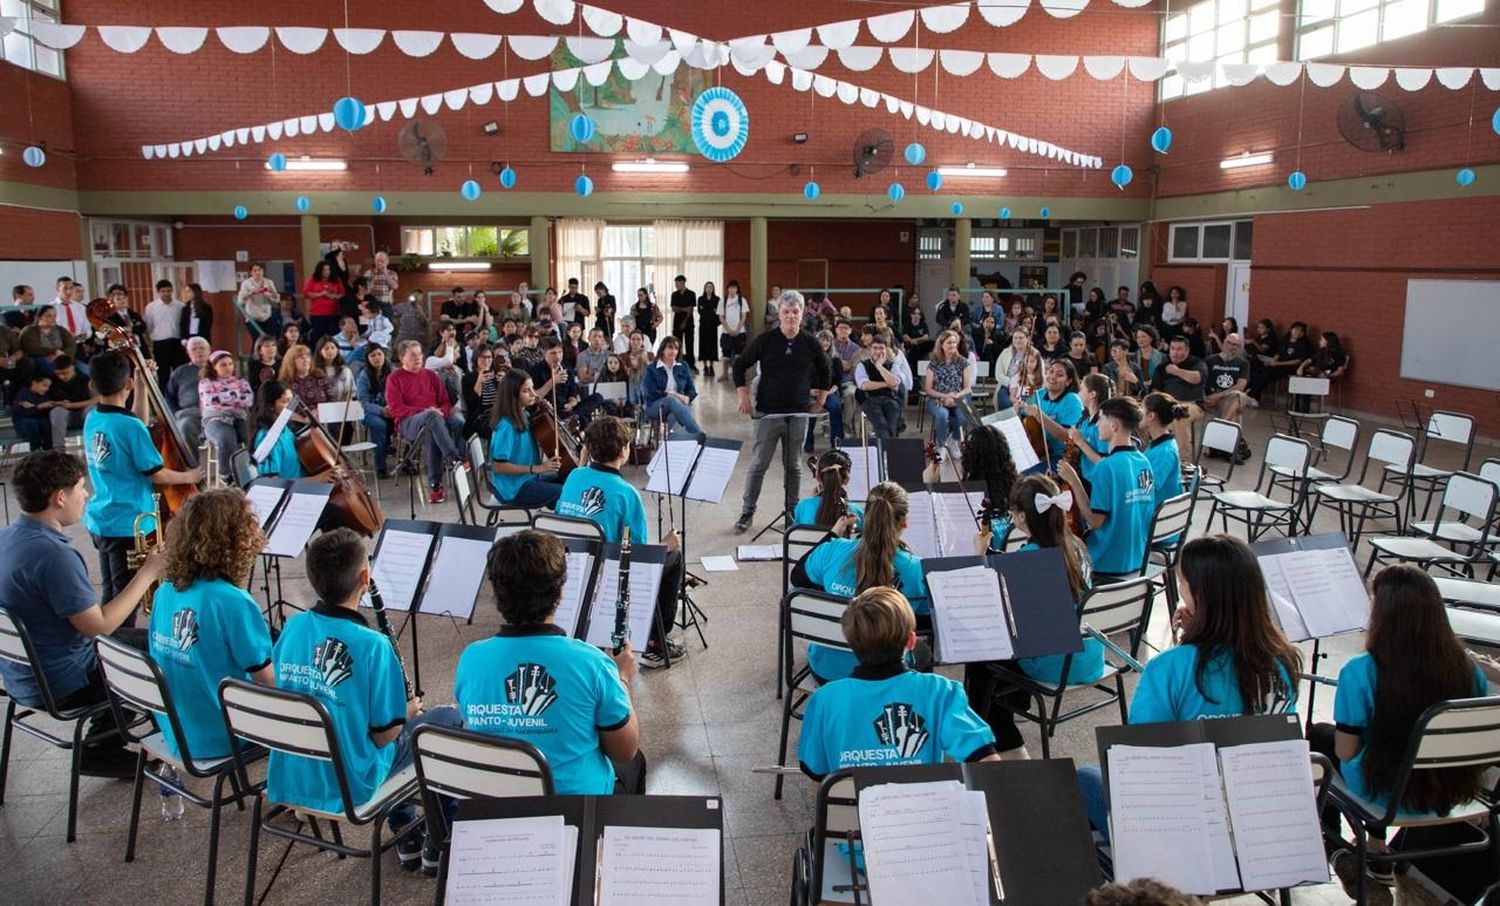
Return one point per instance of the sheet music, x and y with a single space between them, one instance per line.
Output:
651 866
1276 831
1328 590
645 581
1020 445
511 860
718 564
968 618
921 533
864 471
974 826
1282 605
1216 820
263 499
457 572
753 552
1156 816
956 527
397 568
715 467
580 564
274 434
299 519
914 851
673 460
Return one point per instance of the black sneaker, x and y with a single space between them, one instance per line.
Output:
409 849
743 524
1346 869
431 858
652 660
107 761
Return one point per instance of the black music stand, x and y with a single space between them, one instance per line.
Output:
689 613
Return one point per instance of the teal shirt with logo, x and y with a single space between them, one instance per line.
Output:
1170 689
517 448
121 460
602 494
1124 492
831 565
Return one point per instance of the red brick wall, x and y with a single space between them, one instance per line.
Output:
859 253
32 235
36 109
1203 283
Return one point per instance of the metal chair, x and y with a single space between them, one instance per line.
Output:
1357 503
835 819
299 725
496 513
242 468
1257 509
796 543
1315 391
1452 428
1456 533
1467 497
813 617
1169 528
134 679
570 527
1219 436
1118 608
349 413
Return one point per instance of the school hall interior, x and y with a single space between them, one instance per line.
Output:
1177 316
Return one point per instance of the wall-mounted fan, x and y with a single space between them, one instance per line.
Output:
873 152
1370 122
424 143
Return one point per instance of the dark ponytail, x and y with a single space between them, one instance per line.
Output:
832 473
1165 407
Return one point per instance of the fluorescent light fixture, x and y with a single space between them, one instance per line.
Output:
1244 160
439 264
307 164
971 170
649 165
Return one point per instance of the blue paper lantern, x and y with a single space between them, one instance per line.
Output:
241 212
934 180
303 203
720 124
1046 212
1465 177
957 209
896 192
470 190
1121 176
581 128
1495 121
277 162
915 154
507 178
1297 181
811 191
1161 139
34 156
349 113
1005 213
378 204
584 186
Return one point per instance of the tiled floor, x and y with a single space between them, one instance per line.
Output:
706 724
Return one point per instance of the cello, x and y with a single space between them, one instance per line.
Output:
1035 424
176 453
552 435
350 504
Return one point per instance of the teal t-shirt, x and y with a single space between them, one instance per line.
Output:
831 565
1090 432
198 636
121 460
890 716
602 494
1169 689
1066 411
1087 665
331 654
537 685
806 512
282 461
1166 471
1124 490
517 448
1353 709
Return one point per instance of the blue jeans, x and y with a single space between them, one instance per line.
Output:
446 716
945 422
443 441
1002 397
1095 805
539 492
834 403
379 430
674 411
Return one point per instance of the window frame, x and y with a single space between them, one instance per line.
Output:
433 231
1215 28
1200 228
49 11
1302 27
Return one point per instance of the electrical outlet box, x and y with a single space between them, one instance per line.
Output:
1429 393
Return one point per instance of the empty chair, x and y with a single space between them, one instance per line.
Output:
1219 436
1453 431
1461 532
835 820
1257 509
1393 453
570 527
1464 497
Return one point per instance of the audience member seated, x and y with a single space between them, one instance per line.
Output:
304 377
1228 376
31 412
1328 361
878 390
949 382
44 341
181 392
369 389
265 364
1184 378
669 390
225 401
74 397
1288 358
424 415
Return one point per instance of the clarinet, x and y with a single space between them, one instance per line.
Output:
383 623
621 635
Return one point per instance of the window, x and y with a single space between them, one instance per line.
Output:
1217 241
1224 31
129 239
1002 245
19 47
466 241
931 245
629 260
1342 26
1104 242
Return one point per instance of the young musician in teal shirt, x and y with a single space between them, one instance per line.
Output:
204 626
1118 508
1058 402
521 476
600 493
281 461
1159 411
831 471
884 714
986 458
330 653
532 683
124 467
1093 390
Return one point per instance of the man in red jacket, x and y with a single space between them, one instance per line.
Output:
420 405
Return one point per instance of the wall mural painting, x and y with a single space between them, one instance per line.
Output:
652 115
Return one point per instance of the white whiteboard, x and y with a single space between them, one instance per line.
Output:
1449 336
39 275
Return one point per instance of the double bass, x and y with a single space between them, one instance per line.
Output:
350 504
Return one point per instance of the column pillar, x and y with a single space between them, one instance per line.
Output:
310 252
758 285
541 256
963 235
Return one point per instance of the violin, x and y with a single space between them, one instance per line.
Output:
350 504
551 435
176 453
1036 432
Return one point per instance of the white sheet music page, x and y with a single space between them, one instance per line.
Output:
669 468
974 826
510 860
571 605
711 478
397 568
1157 825
1216 817
273 434
1020 445
1328 590
299 519
968 616
651 866
457 572
263 499
921 533
1282 604
864 470
1275 819
645 581
750 553
915 852
956 527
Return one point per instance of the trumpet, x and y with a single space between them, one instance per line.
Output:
146 542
